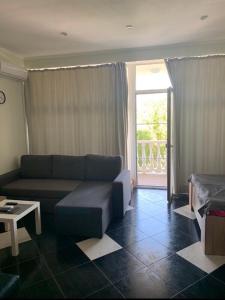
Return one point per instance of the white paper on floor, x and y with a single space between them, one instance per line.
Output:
5 238
95 248
195 255
129 207
185 211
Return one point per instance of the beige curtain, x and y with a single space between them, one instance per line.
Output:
199 109
78 110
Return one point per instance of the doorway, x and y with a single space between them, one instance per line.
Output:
152 81
151 132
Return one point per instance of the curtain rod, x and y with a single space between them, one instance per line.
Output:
195 57
74 67
112 63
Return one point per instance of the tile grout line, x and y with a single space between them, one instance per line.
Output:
123 248
119 228
118 290
219 280
187 234
173 250
74 266
126 247
54 279
35 257
154 261
150 236
180 230
110 281
113 283
104 287
189 286
50 271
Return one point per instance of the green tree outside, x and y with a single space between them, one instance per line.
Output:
151 123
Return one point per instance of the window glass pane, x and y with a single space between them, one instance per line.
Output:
151 77
151 108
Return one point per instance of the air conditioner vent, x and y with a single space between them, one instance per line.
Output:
12 71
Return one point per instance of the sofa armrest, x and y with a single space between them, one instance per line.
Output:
121 193
8 177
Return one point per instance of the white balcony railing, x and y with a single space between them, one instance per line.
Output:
151 156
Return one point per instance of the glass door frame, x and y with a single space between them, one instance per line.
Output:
147 92
170 142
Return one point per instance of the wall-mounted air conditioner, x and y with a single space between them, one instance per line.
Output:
12 71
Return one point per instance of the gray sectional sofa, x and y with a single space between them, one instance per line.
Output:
84 192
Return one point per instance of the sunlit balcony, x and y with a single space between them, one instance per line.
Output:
152 163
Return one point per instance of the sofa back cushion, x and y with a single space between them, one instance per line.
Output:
104 168
68 167
36 166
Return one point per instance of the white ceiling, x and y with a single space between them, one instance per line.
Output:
32 27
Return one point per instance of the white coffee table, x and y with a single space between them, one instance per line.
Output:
10 220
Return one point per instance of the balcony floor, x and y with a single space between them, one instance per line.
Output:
159 180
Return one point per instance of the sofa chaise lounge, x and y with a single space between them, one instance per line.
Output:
84 192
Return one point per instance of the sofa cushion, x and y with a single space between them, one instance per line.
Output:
103 168
68 167
47 188
87 211
88 194
36 166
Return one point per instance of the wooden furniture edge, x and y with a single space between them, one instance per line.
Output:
212 227
215 235
190 195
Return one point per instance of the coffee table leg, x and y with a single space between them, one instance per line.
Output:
14 238
38 220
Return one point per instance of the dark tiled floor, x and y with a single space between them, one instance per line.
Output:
148 251
207 288
145 284
52 266
81 281
118 264
30 271
109 292
177 272
175 240
63 259
127 235
42 290
219 274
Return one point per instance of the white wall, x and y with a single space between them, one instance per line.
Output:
12 125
